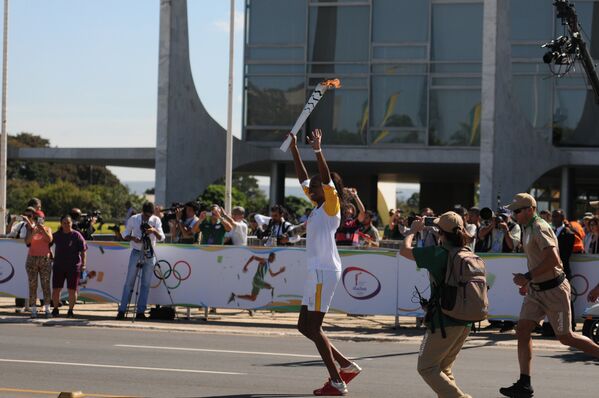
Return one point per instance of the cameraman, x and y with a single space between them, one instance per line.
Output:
186 229
499 235
277 227
143 230
83 224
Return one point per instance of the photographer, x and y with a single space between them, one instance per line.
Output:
498 233
238 236
350 223
276 228
396 226
143 230
20 225
368 234
213 226
186 230
39 239
84 223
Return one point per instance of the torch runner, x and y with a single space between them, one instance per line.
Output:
310 105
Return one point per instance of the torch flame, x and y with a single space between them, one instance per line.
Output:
333 83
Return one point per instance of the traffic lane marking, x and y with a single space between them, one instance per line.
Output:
276 354
97 365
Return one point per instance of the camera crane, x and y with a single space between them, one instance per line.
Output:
566 50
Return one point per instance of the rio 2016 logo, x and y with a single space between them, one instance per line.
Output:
7 271
360 284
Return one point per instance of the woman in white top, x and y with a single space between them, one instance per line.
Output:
324 264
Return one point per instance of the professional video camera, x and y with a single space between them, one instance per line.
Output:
84 223
570 47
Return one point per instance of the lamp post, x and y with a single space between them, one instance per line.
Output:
229 153
3 137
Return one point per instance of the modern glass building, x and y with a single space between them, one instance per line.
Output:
411 72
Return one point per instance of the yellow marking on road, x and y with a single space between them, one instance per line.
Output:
55 393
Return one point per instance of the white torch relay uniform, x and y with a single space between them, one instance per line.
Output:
324 264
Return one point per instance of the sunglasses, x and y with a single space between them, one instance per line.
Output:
518 211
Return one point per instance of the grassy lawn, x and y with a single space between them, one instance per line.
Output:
55 224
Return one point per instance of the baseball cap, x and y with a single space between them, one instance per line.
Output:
522 200
449 222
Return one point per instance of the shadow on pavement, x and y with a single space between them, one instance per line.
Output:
574 357
254 396
318 362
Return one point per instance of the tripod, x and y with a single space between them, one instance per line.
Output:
146 253
162 278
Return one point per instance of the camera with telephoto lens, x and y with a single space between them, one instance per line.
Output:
144 227
115 228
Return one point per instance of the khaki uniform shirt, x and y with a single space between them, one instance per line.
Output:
537 236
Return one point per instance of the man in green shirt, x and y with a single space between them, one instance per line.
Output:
438 353
213 226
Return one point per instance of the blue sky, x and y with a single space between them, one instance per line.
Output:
84 73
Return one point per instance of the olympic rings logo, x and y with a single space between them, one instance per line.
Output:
171 275
7 271
578 291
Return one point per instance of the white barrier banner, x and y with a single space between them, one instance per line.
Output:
208 275
505 299
373 282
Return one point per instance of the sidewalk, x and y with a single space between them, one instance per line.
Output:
263 323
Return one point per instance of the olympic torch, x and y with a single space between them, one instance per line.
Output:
310 105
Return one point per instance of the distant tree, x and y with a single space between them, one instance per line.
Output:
255 199
215 194
48 173
296 206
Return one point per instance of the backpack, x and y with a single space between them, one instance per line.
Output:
464 291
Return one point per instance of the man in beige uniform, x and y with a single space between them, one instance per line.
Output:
548 292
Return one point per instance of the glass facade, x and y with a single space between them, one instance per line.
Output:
410 71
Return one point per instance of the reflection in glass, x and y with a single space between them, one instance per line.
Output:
276 53
343 116
532 19
399 101
274 101
404 52
575 119
339 34
390 136
277 135
457 31
533 95
396 21
277 21
455 117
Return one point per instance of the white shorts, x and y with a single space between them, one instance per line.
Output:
319 289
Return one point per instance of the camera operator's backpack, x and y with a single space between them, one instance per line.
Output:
464 291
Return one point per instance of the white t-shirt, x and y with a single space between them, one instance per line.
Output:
134 229
18 230
239 234
321 248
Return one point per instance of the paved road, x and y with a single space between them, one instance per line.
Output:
112 362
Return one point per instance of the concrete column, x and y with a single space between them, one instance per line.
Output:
277 183
564 195
496 79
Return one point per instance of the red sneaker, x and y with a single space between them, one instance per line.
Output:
349 373
331 388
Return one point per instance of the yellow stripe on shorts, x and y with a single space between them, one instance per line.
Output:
318 297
